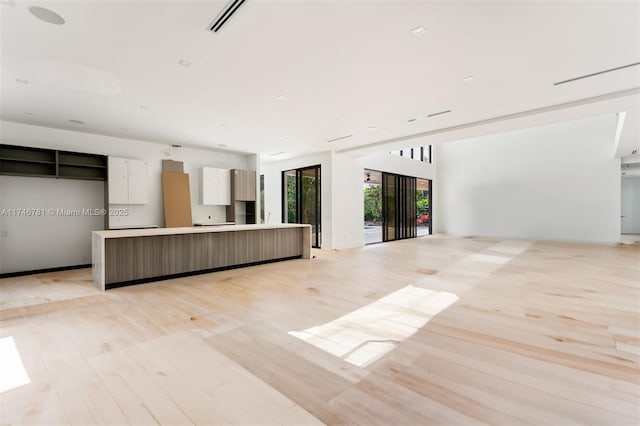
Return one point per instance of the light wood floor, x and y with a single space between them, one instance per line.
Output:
543 333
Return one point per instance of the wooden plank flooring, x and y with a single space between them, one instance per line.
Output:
542 333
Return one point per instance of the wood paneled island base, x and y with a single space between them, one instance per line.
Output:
135 256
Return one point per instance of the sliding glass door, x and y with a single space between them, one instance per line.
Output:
389 210
399 207
301 199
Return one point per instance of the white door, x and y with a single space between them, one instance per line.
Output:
630 211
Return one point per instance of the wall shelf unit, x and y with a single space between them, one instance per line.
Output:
39 162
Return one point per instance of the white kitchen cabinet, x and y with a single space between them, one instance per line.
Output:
215 187
127 181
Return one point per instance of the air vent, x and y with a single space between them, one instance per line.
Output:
439 113
340 138
225 14
596 73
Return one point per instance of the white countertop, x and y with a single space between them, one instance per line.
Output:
123 233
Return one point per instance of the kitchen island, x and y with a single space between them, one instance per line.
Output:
134 256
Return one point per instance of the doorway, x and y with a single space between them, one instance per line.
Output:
301 200
423 207
372 206
630 206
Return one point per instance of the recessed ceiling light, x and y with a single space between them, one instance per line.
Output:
468 78
184 63
22 81
144 107
418 31
76 121
277 153
372 128
223 145
46 15
281 98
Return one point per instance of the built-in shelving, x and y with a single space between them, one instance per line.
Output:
39 162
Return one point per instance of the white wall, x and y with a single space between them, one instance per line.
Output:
557 182
31 242
151 213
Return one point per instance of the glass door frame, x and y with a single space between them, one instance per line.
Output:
317 225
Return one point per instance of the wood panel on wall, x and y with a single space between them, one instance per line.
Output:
177 200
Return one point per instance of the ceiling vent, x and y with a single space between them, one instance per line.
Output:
439 113
596 73
340 138
225 14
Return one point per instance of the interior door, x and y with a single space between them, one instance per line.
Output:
630 205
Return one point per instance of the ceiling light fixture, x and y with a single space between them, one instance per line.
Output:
282 98
76 121
46 15
418 31
468 78
22 81
184 63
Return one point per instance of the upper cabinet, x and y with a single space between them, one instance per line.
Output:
39 162
243 185
215 188
127 181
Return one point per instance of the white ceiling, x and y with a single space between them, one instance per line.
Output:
343 67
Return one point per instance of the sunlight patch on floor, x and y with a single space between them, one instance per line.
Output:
365 335
12 372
